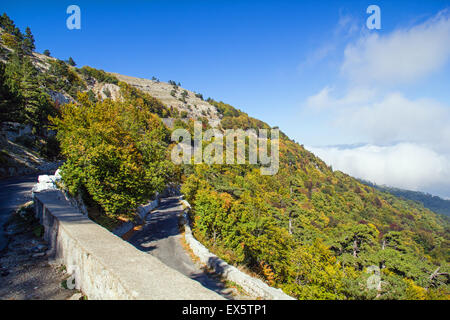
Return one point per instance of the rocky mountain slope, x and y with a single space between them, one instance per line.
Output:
172 96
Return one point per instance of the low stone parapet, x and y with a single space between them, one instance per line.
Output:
103 265
250 284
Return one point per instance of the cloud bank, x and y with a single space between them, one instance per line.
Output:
402 56
404 165
395 118
406 141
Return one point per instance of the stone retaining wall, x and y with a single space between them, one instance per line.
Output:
142 212
252 285
103 265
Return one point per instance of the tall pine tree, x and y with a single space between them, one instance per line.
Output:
7 24
28 42
9 102
34 105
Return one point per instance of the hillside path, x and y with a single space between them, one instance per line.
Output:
161 238
23 275
14 191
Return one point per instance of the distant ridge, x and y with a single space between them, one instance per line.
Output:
429 201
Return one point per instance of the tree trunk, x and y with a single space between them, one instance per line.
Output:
355 248
290 223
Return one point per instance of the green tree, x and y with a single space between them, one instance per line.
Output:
314 273
7 24
28 41
11 42
9 101
71 62
210 214
356 244
34 104
12 37
116 152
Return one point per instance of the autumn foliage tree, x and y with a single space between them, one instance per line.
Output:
116 152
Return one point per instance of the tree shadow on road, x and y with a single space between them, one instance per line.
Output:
160 224
212 282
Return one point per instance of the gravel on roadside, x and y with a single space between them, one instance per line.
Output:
25 271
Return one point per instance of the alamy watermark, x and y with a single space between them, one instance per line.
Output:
374 280
74 20
374 20
260 149
73 282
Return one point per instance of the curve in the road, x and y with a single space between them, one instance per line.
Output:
161 238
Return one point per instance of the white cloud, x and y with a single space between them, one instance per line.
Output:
347 25
418 132
321 100
395 118
402 56
324 99
404 165
365 114
407 140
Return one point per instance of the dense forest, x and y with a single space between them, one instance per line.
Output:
434 203
311 231
315 232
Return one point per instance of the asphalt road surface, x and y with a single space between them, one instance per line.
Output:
161 238
160 235
13 192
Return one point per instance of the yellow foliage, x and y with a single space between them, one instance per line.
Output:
9 40
414 292
268 273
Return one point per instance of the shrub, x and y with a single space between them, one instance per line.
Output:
9 40
99 75
107 92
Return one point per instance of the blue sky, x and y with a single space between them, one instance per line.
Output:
290 63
